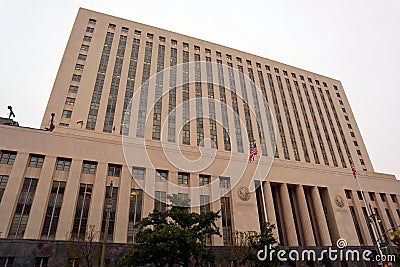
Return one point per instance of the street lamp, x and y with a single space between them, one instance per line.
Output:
108 210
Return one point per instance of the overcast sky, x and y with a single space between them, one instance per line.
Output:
354 41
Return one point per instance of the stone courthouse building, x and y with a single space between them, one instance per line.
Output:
158 113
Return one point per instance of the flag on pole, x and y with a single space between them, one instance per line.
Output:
353 169
253 153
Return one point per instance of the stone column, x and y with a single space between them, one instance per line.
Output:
123 204
11 193
40 202
321 219
98 197
361 220
269 202
288 217
305 217
67 213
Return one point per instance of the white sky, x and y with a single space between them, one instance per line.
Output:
354 41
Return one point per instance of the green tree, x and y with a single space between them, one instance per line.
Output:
247 244
396 242
173 237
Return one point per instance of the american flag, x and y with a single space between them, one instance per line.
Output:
353 169
253 153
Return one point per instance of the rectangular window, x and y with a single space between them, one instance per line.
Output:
324 83
63 164
114 170
196 48
162 39
150 35
70 101
276 70
66 114
160 201
23 208
89 29
226 216
82 211
135 213
228 57
73 89
224 182
6 261
8 157
138 173
174 42
218 54
92 21
87 38
84 47
383 197
347 193
89 167
125 29
82 57
360 196
302 77
362 162
111 26
161 176
267 67
285 73
371 196
258 65
392 196
137 32
205 203
238 59
41 261
185 45
3 184
53 210
183 178
391 222
208 51
76 77
317 82
113 200
204 180
79 66
36 161
356 225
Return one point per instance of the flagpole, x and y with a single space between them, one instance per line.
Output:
368 212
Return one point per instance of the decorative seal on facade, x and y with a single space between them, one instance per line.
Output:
243 193
339 201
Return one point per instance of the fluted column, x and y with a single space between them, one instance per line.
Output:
68 207
305 217
290 228
98 197
11 193
321 219
269 202
123 205
39 205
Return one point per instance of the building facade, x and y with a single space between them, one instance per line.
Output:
148 108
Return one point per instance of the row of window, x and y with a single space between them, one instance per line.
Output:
39 261
197 48
371 196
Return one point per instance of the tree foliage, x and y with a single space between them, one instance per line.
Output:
173 237
247 244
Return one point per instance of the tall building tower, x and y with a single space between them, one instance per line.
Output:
158 113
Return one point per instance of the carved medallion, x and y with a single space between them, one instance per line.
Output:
243 193
339 201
